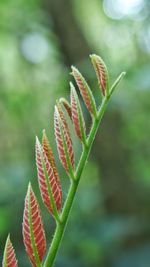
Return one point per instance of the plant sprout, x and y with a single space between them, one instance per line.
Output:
48 177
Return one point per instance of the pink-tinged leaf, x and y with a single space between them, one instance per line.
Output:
49 153
67 106
67 137
101 72
9 258
85 91
33 231
63 140
77 115
48 176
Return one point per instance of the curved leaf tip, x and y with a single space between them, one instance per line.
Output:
67 106
101 72
85 91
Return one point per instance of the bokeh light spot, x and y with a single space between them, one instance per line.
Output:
34 47
120 8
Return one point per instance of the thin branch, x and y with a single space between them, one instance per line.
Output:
73 188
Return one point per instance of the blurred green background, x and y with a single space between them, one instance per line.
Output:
39 39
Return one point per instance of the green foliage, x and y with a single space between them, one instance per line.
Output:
28 89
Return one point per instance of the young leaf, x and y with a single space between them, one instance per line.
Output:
63 140
9 258
33 231
85 91
49 153
48 177
67 106
102 73
77 115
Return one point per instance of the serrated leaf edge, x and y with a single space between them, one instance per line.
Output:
85 91
60 131
8 245
44 162
37 262
77 115
101 73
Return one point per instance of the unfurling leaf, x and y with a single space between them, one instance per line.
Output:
49 153
67 106
33 232
85 91
63 140
101 72
48 176
9 258
77 115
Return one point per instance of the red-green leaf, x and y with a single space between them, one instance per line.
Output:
9 258
49 153
67 106
101 72
48 177
33 231
85 91
77 115
63 140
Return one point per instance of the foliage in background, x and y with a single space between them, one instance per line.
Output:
48 178
119 31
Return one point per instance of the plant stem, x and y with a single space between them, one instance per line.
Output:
73 188
119 78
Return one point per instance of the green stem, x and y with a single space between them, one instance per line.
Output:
117 81
73 188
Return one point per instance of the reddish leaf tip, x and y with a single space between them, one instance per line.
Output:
72 90
101 72
63 139
84 90
67 106
77 115
44 136
9 258
48 177
33 231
